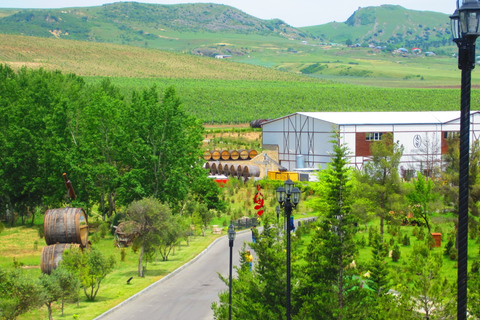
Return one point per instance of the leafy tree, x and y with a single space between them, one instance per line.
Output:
149 217
421 197
92 266
19 293
474 289
164 145
169 235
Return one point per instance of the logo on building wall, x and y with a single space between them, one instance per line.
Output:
417 141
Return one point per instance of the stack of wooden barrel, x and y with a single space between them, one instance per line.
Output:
224 155
64 228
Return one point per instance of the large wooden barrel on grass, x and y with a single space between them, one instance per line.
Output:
216 155
252 153
251 171
66 225
225 154
52 255
234 154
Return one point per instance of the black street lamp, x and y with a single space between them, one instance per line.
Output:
231 238
465 23
288 198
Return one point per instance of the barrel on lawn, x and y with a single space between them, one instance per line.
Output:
234 154
66 225
52 255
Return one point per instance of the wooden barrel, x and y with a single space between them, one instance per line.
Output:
216 155
251 171
243 154
239 171
207 155
66 225
207 166
234 154
220 168
233 170
226 169
252 153
52 255
213 168
225 154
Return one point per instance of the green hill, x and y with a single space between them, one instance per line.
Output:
182 27
388 24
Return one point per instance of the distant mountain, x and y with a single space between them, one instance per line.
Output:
125 21
207 29
387 24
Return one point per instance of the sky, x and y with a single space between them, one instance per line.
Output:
297 13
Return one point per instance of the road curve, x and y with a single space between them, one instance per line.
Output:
188 292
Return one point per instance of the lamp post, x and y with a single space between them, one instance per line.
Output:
231 238
288 198
465 23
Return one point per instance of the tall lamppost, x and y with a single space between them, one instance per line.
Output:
288 198
465 23
231 238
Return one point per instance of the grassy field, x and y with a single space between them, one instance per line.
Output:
19 243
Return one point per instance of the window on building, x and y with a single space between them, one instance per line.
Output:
374 136
451 135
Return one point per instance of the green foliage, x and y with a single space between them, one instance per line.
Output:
91 266
18 293
313 68
406 240
57 286
421 234
396 253
148 217
421 197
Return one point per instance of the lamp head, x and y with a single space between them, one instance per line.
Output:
280 195
289 186
231 232
296 195
465 20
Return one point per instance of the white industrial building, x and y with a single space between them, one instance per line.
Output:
303 138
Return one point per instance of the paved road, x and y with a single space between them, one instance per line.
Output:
187 293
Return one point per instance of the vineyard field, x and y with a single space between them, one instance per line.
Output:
217 101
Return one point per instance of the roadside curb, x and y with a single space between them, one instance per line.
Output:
138 294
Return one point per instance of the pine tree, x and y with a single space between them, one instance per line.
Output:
328 286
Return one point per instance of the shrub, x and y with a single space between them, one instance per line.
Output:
430 241
447 247
2 227
421 234
453 253
41 232
103 230
123 254
406 240
95 238
395 253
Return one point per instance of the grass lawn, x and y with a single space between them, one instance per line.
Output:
18 243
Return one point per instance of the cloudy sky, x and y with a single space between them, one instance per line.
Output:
298 13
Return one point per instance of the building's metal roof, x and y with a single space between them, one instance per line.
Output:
379 118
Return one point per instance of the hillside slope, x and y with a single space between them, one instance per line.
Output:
111 60
388 24
142 24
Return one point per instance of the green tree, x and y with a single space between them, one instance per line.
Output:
260 293
164 146
19 293
328 287
421 197
382 175
92 266
149 217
